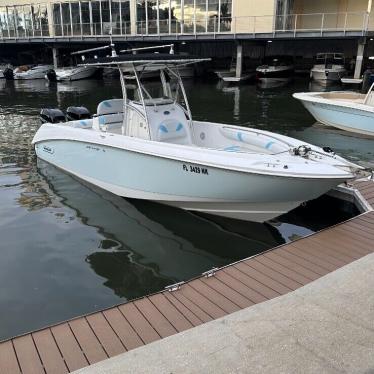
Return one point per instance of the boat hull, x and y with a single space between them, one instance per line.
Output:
75 74
195 187
327 76
274 74
345 118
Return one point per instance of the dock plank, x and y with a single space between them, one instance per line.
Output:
173 315
321 260
188 308
249 275
245 288
341 244
215 297
155 317
104 332
288 271
8 359
69 347
290 262
211 309
129 338
229 292
87 340
142 327
273 274
28 356
349 238
314 246
49 353
319 252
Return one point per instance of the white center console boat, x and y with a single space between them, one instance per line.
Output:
147 146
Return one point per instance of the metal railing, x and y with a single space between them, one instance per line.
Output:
320 23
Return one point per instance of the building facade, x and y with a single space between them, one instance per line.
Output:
50 18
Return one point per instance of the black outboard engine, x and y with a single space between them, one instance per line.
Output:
52 116
74 113
51 75
8 74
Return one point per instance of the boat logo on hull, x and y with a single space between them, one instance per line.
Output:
48 149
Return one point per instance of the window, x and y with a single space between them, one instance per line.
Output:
125 17
86 19
96 17
189 16
201 15
225 15
66 21
176 15
164 15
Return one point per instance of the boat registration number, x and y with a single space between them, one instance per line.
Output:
195 169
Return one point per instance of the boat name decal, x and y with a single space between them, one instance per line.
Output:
48 149
195 169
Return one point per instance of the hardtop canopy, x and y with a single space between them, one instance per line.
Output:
142 59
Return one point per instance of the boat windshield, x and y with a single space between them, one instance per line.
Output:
330 58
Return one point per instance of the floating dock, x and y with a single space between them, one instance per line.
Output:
85 340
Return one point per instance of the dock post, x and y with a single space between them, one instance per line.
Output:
360 57
239 60
55 57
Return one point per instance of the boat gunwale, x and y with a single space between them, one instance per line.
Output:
346 176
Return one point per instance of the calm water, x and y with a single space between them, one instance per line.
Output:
67 248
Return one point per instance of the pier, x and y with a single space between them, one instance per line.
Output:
88 339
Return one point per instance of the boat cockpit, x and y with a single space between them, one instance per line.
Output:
159 111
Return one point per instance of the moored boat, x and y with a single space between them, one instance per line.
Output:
329 68
350 111
26 72
72 73
275 69
149 147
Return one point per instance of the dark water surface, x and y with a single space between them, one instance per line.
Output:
67 248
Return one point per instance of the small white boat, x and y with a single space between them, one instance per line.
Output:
149 147
350 111
329 68
34 72
73 73
275 69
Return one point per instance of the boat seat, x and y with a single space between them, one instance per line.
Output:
253 139
173 131
112 106
110 114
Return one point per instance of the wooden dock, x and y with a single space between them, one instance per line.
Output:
83 341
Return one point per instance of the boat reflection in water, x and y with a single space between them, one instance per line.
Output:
147 245
268 84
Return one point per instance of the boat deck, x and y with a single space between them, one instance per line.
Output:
83 341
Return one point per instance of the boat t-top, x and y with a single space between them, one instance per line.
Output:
146 145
